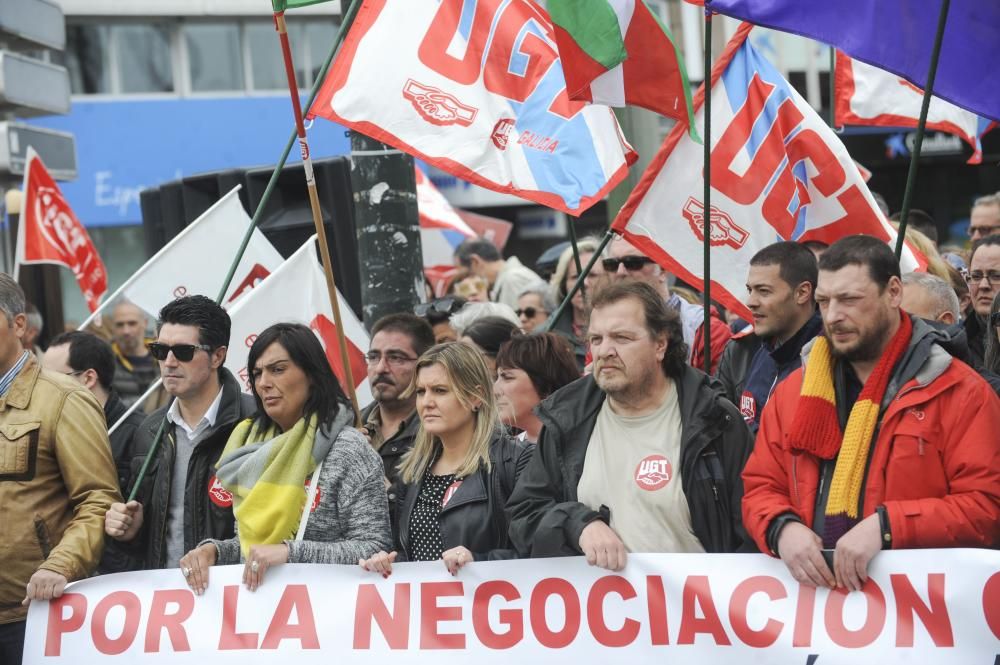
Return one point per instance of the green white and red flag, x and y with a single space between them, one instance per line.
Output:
619 52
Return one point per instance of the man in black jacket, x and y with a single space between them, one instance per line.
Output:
180 501
642 456
90 360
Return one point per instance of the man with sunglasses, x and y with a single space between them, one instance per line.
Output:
984 284
624 261
180 501
391 421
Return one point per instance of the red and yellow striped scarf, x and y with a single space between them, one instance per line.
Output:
816 428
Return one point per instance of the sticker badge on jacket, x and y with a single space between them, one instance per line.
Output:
219 495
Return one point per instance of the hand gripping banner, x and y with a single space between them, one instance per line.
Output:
919 606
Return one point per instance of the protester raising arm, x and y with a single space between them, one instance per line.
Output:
302 423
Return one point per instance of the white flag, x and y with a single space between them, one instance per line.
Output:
296 293
197 260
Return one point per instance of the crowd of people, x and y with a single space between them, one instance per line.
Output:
856 411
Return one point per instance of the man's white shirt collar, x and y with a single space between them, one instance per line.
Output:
208 420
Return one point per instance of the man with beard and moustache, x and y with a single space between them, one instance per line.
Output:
881 440
644 455
391 422
780 287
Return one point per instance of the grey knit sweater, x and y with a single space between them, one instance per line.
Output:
352 519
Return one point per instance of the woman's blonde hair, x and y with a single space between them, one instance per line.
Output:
935 264
584 246
469 379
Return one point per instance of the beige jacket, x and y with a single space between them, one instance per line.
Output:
57 479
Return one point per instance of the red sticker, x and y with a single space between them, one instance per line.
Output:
219 495
653 473
450 492
315 499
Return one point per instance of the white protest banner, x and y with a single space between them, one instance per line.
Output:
296 293
197 259
919 606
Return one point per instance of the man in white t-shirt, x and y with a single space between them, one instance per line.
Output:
644 455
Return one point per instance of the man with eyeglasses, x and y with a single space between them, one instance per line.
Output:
984 220
624 261
180 502
984 284
391 421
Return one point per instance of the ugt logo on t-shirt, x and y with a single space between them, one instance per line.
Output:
653 473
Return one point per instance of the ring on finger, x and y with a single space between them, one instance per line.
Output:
186 571
254 566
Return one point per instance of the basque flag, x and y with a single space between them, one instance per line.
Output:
778 173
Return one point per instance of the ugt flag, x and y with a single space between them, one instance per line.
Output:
897 35
296 293
441 232
869 96
198 258
49 232
476 88
778 173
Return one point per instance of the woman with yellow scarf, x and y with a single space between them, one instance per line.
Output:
299 451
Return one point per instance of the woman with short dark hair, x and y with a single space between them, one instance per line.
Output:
529 369
306 486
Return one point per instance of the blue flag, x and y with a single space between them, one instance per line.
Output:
898 36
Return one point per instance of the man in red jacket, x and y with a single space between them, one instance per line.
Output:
880 441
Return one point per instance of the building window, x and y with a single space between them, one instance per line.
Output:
86 58
142 52
267 67
320 36
214 56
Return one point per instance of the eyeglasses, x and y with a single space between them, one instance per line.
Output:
394 358
983 231
183 352
441 305
76 373
992 276
530 312
631 263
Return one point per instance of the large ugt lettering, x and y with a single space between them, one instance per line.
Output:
511 37
787 194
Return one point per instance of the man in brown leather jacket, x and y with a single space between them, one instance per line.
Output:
57 478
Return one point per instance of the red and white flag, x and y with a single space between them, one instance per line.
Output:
477 90
441 231
49 232
868 96
296 293
198 258
778 173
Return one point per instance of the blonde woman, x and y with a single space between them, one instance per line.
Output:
455 481
573 323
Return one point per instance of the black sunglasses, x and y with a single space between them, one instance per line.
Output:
183 352
631 263
442 305
530 312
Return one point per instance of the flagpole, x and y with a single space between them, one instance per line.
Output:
911 176
136 404
706 227
317 215
345 26
576 248
833 87
556 315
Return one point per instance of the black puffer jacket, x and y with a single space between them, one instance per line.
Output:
474 516
546 519
208 512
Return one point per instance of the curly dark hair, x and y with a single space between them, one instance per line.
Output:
660 319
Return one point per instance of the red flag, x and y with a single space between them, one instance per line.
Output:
49 232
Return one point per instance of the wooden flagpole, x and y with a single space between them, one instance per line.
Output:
317 214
